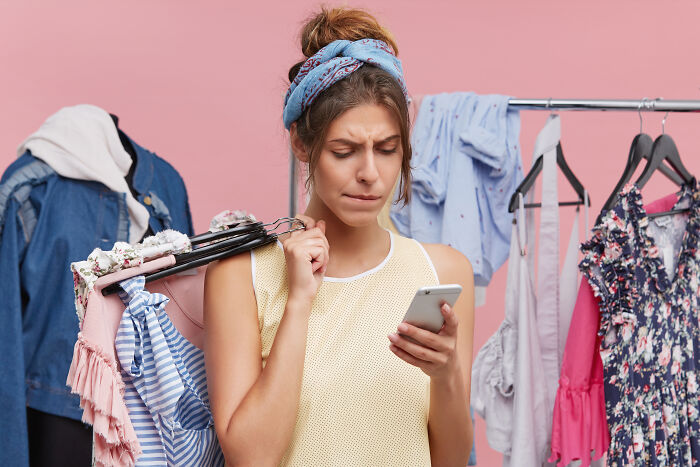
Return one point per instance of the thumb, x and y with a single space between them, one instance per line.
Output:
322 225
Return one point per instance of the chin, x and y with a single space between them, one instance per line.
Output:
357 218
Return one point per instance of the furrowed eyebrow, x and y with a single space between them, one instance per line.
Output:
353 143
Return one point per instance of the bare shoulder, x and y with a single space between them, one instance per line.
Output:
234 268
451 265
229 281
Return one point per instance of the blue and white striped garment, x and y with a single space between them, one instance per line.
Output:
165 384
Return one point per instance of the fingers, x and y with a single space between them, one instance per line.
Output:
405 356
451 321
424 337
318 231
309 222
417 351
309 245
319 259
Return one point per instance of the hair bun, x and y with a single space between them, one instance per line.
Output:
342 23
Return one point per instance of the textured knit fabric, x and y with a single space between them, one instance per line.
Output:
649 293
165 384
360 404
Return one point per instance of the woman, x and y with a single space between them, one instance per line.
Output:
299 364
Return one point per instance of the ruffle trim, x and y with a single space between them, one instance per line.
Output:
580 427
95 378
610 260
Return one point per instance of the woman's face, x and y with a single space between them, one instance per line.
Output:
359 164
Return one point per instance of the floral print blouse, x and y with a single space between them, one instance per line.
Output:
646 274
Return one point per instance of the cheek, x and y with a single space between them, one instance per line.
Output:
330 174
391 169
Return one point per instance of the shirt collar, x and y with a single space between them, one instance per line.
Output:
143 175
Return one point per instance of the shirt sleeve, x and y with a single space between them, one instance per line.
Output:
579 427
13 423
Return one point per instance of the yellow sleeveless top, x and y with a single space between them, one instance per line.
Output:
360 405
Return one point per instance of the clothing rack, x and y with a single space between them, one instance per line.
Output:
640 105
635 105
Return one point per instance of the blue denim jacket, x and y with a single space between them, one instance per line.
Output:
47 222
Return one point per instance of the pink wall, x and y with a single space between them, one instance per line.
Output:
201 83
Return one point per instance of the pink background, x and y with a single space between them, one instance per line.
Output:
201 84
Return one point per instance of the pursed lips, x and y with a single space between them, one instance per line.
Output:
364 197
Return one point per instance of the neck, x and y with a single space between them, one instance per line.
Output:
353 249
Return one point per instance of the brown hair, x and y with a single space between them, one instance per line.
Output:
368 85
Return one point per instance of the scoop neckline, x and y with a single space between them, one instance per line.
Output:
363 273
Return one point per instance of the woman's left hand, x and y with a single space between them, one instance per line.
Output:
434 353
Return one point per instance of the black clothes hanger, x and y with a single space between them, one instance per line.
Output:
240 238
639 150
664 150
232 231
530 178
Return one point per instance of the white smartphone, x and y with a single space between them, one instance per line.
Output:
424 311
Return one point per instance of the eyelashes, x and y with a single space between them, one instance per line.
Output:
343 155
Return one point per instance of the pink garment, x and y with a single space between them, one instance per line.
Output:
94 372
580 427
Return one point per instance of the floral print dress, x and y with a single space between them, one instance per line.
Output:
646 272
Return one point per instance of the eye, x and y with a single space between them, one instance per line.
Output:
388 151
341 155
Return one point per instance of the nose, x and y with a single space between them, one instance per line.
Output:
367 171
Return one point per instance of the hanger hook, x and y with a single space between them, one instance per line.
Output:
549 106
642 103
663 123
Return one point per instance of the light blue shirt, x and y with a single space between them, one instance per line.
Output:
466 165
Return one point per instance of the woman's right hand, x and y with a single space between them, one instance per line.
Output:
306 253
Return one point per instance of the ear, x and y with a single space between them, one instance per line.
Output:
297 146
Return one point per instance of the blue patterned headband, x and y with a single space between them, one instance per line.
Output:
333 63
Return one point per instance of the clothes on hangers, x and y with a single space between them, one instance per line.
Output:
94 374
359 405
466 157
125 431
138 364
225 219
48 221
165 384
580 427
633 341
510 376
122 255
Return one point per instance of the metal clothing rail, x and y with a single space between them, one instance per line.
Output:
639 105
635 105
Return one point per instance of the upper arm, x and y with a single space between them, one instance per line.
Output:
232 346
453 267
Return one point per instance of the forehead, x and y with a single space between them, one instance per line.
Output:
366 121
